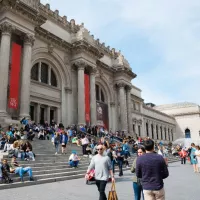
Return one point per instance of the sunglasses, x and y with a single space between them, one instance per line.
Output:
99 149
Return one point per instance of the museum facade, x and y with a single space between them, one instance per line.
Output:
52 68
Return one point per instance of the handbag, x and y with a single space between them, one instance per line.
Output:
112 195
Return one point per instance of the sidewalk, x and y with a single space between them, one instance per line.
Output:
182 184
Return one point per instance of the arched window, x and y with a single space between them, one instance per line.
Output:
147 129
187 133
42 72
99 94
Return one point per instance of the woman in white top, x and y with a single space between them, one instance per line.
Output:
197 153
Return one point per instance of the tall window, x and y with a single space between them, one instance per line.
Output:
161 133
35 72
168 135
99 94
165 134
152 131
139 131
41 72
147 129
157 131
187 133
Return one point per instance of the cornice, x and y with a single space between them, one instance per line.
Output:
158 112
20 8
105 66
52 39
83 46
127 71
183 114
61 21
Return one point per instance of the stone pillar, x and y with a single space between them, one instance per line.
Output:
81 93
38 114
129 112
58 115
122 102
68 106
48 114
93 112
39 72
6 30
113 114
26 72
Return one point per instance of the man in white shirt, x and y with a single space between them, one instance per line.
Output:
103 167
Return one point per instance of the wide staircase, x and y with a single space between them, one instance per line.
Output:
49 167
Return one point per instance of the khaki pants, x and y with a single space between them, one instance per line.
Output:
154 194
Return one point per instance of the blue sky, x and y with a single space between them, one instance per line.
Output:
160 39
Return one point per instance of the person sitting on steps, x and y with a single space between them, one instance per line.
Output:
17 169
74 159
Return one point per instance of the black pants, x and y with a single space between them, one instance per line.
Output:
101 185
183 160
84 147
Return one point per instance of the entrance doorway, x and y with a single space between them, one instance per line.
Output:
52 115
42 113
32 112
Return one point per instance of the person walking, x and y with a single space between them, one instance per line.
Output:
103 168
137 187
152 169
183 155
193 158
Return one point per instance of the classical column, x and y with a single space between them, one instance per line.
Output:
48 114
38 114
129 112
81 93
113 114
58 115
26 71
68 106
39 72
122 102
6 30
93 113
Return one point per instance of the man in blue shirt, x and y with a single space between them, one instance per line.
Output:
152 169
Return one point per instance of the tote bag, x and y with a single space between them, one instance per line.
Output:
112 195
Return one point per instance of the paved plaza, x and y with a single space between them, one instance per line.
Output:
182 184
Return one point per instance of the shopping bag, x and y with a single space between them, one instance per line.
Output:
112 195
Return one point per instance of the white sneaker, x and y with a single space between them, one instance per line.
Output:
56 153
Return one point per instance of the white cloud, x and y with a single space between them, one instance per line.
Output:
172 28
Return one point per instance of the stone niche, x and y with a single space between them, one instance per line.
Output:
31 3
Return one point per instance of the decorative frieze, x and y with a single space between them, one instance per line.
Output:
31 3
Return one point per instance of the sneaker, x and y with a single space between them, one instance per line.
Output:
10 181
31 179
56 153
22 180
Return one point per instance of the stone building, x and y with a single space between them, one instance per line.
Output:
52 68
187 117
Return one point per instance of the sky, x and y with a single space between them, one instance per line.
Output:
159 38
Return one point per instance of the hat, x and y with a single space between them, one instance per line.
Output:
74 152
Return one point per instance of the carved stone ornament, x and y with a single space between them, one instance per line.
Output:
120 58
128 88
81 64
6 28
29 39
66 60
31 3
121 85
50 48
93 72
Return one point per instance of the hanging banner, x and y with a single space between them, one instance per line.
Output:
87 98
102 115
13 100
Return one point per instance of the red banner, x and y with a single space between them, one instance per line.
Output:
87 98
13 100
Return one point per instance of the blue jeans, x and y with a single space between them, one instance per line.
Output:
56 146
137 191
73 163
120 164
21 171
